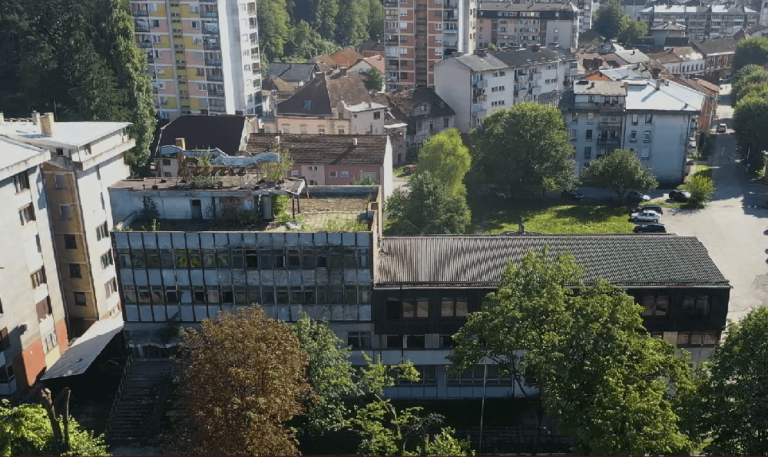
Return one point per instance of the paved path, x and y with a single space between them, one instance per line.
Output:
734 227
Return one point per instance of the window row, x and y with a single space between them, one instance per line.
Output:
265 259
418 307
693 307
242 295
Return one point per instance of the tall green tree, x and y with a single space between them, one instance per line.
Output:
352 22
77 59
620 171
609 385
447 159
386 431
733 399
702 188
751 51
274 28
306 43
749 120
609 20
331 375
747 79
430 207
376 78
524 148
26 430
631 30
375 20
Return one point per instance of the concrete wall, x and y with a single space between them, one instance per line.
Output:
26 249
667 148
453 84
363 122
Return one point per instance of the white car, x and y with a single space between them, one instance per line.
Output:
722 128
645 216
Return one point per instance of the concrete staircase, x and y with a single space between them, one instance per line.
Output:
132 417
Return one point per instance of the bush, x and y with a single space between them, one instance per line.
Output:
280 204
701 188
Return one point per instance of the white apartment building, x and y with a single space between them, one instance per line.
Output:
681 61
84 159
479 84
203 55
526 24
702 21
653 118
33 330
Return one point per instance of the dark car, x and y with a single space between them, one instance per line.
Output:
679 195
654 208
572 195
635 196
650 228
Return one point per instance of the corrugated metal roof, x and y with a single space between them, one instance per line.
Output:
484 63
480 260
85 349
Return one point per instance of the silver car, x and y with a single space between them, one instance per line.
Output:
645 216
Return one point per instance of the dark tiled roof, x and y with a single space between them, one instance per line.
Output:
202 132
292 72
532 56
716 46
325 149
400 103
276 83
326 92
589 36
625 260
373 46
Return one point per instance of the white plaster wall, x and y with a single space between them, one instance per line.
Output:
453 84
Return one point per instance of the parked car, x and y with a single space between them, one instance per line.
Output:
636 196
654 208
650 228
722 128
572 195
645 216
679 195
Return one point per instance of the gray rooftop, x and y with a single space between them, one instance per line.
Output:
484 63
17 157
532 56
534 7
607 88
292 72
625 260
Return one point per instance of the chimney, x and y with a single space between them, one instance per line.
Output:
35 118
47 124
277 140
658 84
343 72
354 141
181 143
2 117
592 85
370 104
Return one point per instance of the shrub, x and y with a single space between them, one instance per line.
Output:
701 188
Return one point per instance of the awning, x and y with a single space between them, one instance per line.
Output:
85 349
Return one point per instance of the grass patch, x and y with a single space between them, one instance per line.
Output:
703 170
551 216
400 173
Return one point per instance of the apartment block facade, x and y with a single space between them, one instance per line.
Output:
527 24
420 33
479 84
203 55
33 330
85 158
702 21
654 119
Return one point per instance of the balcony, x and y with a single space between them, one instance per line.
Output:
605 141
211 46
609 124
150 59
213 62
215 93
145 45
391 3
140 13
479 114
480 98
481 84
391 30
211 30
142 28
477 107
208 1
450 19
451 32
611 107
209 14
210 77
217 108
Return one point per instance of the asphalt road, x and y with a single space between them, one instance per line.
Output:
734 227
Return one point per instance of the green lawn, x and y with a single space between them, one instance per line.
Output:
703 170
549 216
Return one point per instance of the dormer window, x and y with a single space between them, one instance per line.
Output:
307 104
